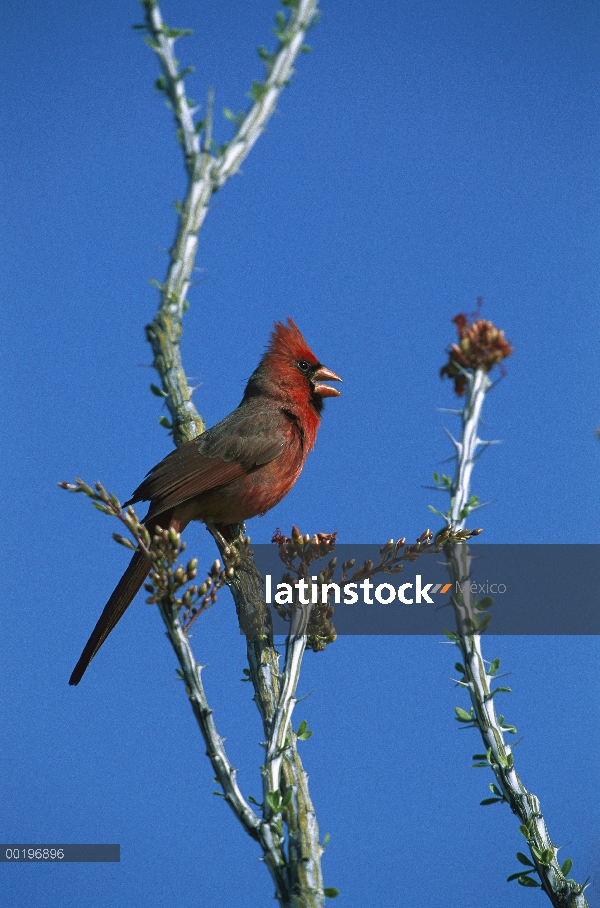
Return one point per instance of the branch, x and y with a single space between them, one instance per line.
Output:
477 676
207 172
208 168
280 67
167 578
268 832
304 848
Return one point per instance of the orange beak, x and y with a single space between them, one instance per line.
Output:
325 374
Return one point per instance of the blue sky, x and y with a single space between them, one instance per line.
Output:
425 154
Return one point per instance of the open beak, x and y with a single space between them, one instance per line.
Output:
325 374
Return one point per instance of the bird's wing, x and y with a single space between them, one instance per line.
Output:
239 444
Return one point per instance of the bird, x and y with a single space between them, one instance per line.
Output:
240 468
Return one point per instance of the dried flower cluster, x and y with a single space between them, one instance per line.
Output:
167 577
480 346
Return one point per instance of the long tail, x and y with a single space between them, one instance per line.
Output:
114 610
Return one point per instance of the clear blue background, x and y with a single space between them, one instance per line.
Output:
425 153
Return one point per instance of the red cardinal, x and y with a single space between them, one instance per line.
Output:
241 467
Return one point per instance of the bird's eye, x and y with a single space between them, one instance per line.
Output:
303 365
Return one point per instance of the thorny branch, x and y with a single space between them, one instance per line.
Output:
208 167
481 347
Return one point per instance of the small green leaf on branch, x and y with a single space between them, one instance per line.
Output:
274 801
524 880
303 733
462 715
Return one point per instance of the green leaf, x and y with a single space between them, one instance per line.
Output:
499 690
494 667
157 391
524 859
303 733
567 866
237 118
495 790
326 839
459 668
287 798
163 421
253 801
274 801
462 715
481 625
330 892
527 881
176 32
491 801
515 876
257 91
525 831
486 602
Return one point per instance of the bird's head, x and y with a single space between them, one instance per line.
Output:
294 369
